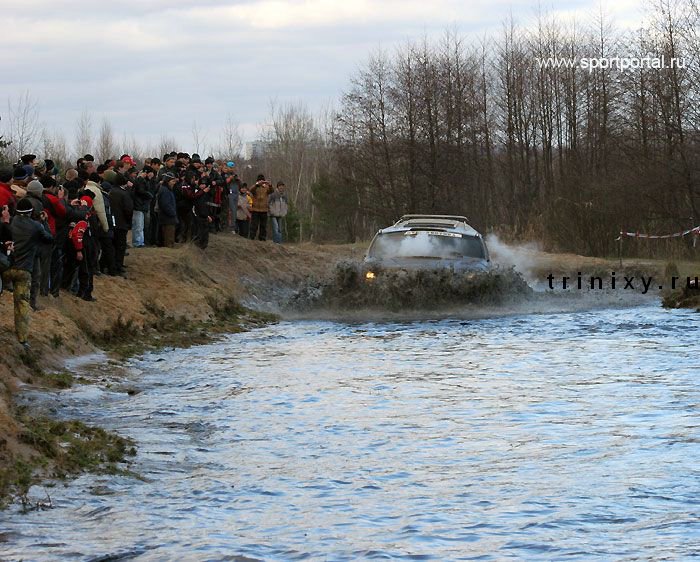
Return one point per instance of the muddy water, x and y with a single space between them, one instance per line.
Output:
571 435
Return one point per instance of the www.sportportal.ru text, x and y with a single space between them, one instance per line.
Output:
636 283
620 63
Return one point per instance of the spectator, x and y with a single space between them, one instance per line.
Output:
243 211
278 210
122 206
142 200
202 210
261 194
7 196
28 236
72 184
167 209
79 250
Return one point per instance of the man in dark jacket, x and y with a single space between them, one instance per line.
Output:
122 206
167 209
28 236
142 200
202 211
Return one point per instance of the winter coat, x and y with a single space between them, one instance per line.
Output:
122 207
98 204
28 235
7 197
261 194
55 212
243 210
278 204
142 195
77 234
167 210
202 207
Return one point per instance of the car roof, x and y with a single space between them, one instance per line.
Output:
433 222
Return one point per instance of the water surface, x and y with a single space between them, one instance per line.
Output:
552 436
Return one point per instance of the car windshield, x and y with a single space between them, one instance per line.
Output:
426 244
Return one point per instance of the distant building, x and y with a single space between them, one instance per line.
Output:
255 149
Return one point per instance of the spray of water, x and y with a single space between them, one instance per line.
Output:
522 257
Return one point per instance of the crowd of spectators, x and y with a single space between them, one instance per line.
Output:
60 230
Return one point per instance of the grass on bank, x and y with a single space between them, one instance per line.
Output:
64 448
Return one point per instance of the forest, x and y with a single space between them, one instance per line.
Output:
565 155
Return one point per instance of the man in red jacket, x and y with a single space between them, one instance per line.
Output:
7 196
77 249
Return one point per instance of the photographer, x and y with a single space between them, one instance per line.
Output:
261 192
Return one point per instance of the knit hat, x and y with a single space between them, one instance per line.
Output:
110 175
5 175
87 199
24 206
20 174
35 188
209 160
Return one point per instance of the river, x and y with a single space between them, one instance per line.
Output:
538 436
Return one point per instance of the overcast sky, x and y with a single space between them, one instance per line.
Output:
154 67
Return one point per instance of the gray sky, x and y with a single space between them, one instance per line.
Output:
154 67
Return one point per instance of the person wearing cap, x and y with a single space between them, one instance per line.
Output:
122 210
20 179
202 211
28 236
28 160
167 209
168 166
142 201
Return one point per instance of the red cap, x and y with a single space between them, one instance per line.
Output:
87 199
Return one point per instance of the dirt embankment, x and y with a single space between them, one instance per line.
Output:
182 292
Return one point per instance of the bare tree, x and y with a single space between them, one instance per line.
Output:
83 134
106 145
199 139
166 144
231 140
23 124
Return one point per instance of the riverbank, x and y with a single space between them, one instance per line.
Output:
172 297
